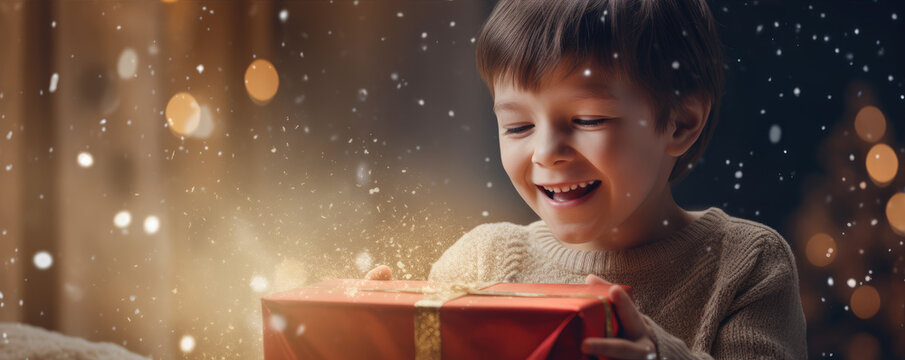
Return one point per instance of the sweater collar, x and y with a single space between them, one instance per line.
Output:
645 257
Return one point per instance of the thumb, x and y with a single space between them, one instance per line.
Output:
381 272
594 279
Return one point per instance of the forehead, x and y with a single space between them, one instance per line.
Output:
582 81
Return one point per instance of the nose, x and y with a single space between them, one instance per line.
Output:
551 148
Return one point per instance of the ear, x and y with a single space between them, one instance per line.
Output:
685 125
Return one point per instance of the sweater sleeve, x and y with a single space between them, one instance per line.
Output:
765 319
487 253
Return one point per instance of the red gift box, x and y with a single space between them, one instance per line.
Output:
357 319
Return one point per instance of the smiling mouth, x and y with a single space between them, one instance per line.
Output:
563 195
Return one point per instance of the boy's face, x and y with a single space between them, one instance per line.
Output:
589 133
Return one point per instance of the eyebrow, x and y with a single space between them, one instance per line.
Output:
509 105
587 92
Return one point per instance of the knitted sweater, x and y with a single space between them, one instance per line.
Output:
721 287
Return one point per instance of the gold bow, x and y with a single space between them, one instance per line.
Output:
427 310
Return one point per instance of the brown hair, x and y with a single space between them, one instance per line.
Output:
643 40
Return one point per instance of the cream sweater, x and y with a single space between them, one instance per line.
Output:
721 287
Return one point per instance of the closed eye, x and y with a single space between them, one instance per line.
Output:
590 122
518 129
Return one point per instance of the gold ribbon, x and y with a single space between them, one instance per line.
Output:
427 311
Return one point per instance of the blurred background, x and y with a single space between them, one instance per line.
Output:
165 164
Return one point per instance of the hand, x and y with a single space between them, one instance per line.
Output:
381 272
638 342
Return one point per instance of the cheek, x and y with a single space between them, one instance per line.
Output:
606 150
622 157
641 159
514 163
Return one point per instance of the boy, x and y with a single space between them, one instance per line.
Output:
602 106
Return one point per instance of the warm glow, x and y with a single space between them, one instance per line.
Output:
895 213
205 124
122 219
364 262
127 64
259 284
187 343
821 249
865 302
261 81
277 323
183 114
882 164
85 159
152 224
870 124
863 346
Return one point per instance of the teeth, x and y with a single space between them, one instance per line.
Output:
569 188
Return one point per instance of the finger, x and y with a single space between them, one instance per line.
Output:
615 348
594 279
629 317
381 272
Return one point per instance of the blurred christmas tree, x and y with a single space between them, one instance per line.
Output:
850 231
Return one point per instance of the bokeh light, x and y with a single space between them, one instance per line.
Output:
870 124
122 219
187 343
895 213
258 284
43 260
821 249
865 302
183 114
151 225
127 64
205 124
277 323
54 82
882 164
775 133
261 81
362 95
364 261
85 159
863 346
